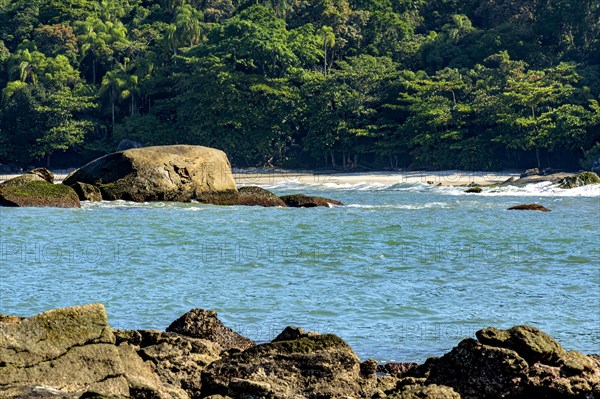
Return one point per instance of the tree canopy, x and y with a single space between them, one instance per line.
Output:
476 84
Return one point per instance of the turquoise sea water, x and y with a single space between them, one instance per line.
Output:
402 273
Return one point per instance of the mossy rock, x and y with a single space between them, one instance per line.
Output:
21 180
312 367
529 207
306 201
530 343
257 196
579 180
32 190
474 190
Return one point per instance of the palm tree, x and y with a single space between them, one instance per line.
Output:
187 22
113 83
328 43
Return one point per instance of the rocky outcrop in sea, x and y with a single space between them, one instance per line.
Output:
179 173
74 353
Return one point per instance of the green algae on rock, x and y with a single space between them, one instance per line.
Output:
33 190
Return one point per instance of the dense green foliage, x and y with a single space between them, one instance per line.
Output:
475 84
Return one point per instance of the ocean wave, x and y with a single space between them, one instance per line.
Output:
543 189
430 205
363 186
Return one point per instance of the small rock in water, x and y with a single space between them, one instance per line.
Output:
474 190
305 201
529 207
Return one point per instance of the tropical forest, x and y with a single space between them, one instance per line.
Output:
341 84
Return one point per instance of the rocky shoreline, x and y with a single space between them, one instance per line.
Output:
74 353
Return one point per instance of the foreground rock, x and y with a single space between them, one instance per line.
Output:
529 207
164 173
309 366
36 189
306 201
176 361
72 353
200 323
522 362
579 180
72 350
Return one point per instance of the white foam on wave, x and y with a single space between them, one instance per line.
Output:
430 205
362 186
129 205
543 189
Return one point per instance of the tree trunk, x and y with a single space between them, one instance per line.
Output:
332 158
325 61
94 71
48 161
537 156
113 95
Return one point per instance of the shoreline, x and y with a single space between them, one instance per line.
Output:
248 177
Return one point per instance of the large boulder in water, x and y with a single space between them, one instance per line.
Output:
164 173
34 189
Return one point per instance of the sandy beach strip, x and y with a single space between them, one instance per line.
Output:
443 178
271 177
